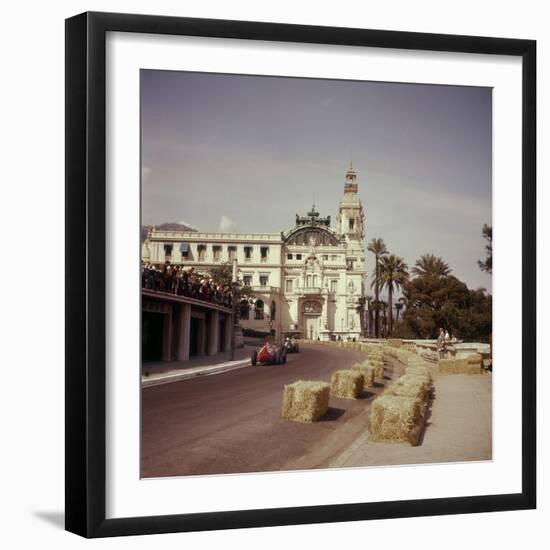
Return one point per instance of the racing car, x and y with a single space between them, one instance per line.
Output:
269 354
291 345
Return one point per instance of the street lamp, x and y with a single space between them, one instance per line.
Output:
234 296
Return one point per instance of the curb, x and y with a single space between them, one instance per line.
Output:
206 371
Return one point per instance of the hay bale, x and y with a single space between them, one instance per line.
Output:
419 370
305 400
475 359
395 342
378 369
396 418
415 361
417 387
368 374
346 383
460 366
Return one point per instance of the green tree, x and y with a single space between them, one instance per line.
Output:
383 307
399 305
428 264
223 275
487 264
369 314
360 309
393 275
434 302
378 248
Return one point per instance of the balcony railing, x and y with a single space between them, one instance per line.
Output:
310 290
264 289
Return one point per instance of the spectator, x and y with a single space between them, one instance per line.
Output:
441 345
177 280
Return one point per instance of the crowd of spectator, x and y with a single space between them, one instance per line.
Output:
184 282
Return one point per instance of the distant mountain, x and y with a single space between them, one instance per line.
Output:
164 227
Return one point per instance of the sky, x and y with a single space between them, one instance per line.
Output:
247 153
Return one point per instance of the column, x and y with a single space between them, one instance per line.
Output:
201 337
213 327
227 332
184 332
167 336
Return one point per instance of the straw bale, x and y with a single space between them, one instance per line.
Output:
415 386
460 366
378 369
377 365
395 342
396 418
368 374
419 370
346 383
475 359
305 400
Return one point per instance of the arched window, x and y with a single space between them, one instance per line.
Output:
259 310
244 310
273 310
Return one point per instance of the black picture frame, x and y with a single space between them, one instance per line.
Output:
86 284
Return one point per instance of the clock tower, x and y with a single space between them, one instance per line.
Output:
350 221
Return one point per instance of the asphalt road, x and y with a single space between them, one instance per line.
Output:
231 422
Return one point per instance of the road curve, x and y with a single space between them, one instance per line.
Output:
231 422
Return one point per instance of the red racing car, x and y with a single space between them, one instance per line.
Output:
269 354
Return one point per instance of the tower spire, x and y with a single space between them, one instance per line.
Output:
351 180
350 219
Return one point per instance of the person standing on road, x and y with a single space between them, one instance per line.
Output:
441 343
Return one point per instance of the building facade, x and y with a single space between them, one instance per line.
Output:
307 279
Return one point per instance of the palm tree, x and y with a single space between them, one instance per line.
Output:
383 307
487 264
369 314
393 275
360 309
399 305
428 264
378 248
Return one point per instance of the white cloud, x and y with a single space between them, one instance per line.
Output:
226 224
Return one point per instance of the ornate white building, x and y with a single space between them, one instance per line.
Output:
306 279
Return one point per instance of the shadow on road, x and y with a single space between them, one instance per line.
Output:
427 423
332 414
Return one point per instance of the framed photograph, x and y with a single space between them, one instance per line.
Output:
300 281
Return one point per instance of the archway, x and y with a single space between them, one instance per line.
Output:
311 318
